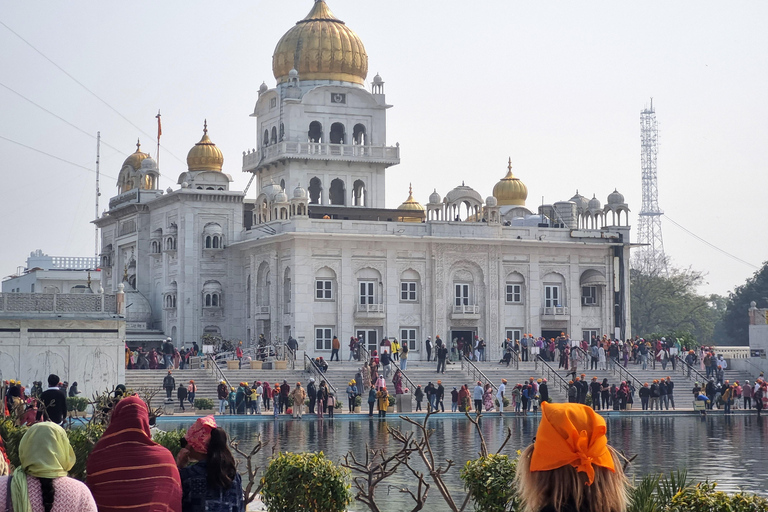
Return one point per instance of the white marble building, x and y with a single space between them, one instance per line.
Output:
316 254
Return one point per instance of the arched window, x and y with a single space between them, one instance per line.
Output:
358 193
282 184
337 133
213 236
358 135
212 294
315 133
338 192
274 135
282 131
315 190
265 140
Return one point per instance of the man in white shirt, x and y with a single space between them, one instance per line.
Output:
500 395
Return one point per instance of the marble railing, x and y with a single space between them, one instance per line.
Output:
57 303
321 150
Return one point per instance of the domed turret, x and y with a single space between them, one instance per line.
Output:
582 203
411 204
491 201
135 159
510 191
321 47
263 88
281 197
205 156
615 197
148 165
299 192
434 197
594 203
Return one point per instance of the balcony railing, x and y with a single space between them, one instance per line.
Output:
370 308
321 151
555 311
466 309
70 303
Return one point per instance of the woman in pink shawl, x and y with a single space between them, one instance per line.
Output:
397 380
152 358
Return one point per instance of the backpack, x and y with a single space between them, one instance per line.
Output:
572 393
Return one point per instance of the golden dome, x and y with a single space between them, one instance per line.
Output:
510 190
321 47
136 158
205 156
411 204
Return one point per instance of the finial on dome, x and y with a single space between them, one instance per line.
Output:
509 166
410 189
205 126
138 145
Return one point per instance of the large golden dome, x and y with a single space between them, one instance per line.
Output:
205 156
321 47
135 159
510 191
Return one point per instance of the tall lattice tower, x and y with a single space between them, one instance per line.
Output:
649 230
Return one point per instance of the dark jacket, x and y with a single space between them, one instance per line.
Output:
222 392
55 403
169 382
197 496
181 393
440 392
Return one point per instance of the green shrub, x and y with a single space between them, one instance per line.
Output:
489 480
11 435
704 497
171 439
83 439
337 405
77 403
358 401
203 404
305 481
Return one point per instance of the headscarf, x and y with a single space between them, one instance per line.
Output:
199 434
44 452
571 434
128 470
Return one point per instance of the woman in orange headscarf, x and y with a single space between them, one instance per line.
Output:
570 467
127 470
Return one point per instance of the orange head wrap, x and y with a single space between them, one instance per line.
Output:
571 434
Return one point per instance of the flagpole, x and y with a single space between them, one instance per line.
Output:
98 193
159 133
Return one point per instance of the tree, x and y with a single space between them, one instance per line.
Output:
736 319
664 302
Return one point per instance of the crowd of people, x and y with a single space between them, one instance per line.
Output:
126 470
167 357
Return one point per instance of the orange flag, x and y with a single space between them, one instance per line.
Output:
159 126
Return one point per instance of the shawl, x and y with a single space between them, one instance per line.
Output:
44 452
199 434
127 470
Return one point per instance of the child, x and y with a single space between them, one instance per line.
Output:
331 402
535 403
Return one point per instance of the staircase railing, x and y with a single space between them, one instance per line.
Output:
687 370
405 376
363 353
311 366
215 370
582 357
476 373
757 369
627 375
550 373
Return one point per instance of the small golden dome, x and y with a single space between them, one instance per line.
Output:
205 156
135 159
411 204
321 47
510 191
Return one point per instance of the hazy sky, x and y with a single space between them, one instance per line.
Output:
558 86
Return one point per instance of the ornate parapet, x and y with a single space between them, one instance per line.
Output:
57 303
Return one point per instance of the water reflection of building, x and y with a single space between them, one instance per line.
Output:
317 254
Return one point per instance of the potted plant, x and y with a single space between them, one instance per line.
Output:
358 403
390 405
204 406
490 482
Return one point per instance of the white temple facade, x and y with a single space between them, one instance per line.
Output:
314 253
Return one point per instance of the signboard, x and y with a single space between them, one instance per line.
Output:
757 352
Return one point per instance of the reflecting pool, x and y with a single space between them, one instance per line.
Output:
729 450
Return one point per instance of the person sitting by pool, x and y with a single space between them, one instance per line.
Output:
213 482
570 467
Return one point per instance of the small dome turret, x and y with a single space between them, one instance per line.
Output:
582 203
205 156
148 165
410 203
434 197
615 197
594 203
263 88
135 159
490 201
281 197
299 192
510 191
